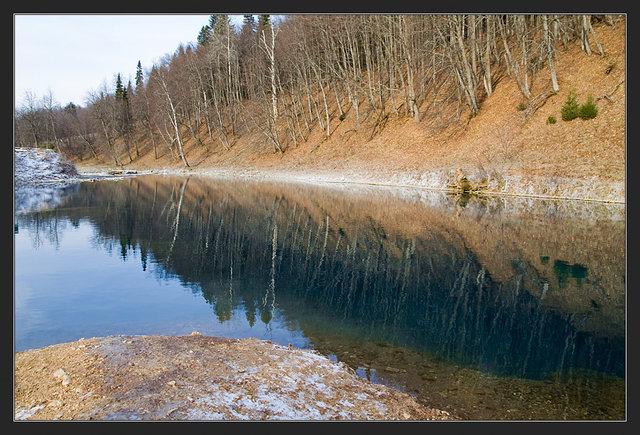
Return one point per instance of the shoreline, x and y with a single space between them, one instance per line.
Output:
435 181
197 377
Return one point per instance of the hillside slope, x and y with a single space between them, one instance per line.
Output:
502 149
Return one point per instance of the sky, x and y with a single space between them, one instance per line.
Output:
72 54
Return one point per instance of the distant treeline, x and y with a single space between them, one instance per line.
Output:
284 79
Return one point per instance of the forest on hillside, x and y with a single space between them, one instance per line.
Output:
283 79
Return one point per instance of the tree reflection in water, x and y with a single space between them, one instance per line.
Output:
525 296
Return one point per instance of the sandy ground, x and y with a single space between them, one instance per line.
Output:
198 378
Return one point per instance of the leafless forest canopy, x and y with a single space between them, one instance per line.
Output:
283 80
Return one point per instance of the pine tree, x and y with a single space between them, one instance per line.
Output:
221 25
212 21
125 125
139 75
247 32
249 22
264 23
128 118
246 43
71 109
119 88
204 35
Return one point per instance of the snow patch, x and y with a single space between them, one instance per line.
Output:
23 414
36 166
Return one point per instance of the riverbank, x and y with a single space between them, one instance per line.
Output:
592 189
198 378
509 147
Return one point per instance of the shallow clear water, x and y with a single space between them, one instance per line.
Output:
490 308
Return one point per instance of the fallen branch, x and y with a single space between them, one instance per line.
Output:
608 96
537 103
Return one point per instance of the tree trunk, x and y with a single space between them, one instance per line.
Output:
550 48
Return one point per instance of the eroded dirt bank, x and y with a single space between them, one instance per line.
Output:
197 378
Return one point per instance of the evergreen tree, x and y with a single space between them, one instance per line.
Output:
221 25
246 44
119 88
127 115
264 23
204 35
129 90
249 22
123 117
71 109
212 21
139 75
246 32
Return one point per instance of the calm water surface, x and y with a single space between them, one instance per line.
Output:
489 308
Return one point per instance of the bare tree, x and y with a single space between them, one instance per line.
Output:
306 73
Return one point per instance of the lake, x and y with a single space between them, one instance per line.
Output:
488 307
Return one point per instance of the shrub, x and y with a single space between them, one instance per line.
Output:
570 110
588 110
522 106
342 117
551 120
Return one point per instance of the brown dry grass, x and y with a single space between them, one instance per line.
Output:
498 138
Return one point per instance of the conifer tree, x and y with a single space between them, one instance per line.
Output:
221 25
139 75
249 22
128 90
204 35
119 88
71 109
264 23
212 21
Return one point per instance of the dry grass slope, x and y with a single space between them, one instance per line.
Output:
500 140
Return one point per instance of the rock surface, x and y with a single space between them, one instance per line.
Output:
198 377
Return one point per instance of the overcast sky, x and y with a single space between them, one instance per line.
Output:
72 54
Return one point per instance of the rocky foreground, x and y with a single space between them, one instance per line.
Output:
198 378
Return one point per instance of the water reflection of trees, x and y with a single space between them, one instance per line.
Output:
252 251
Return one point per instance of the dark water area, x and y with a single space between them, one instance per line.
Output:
489 308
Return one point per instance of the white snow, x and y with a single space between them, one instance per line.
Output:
42 179
23 414
36 166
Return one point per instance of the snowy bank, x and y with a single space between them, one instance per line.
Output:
35 166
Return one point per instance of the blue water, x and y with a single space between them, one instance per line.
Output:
72 287
155 255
